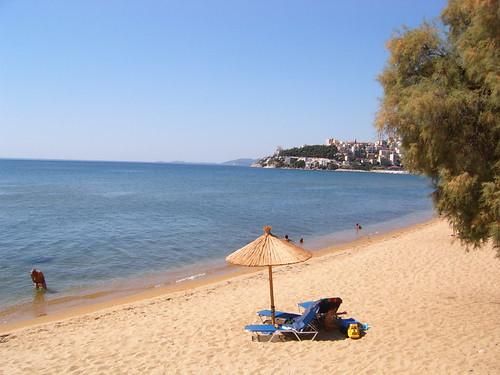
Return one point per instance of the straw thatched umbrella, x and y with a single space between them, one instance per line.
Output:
269 250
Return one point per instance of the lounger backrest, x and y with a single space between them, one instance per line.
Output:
305 319
329 304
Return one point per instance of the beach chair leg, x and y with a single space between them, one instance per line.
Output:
313 333
275 334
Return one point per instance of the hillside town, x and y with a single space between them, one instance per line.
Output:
382 155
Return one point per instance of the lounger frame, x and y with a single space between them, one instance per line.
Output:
281 331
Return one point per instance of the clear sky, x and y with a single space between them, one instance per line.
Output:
191 80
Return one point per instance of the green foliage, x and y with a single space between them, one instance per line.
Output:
442 99
299 164
314 151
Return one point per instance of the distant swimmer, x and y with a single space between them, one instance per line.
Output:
301 240
286 238
38 279
358 227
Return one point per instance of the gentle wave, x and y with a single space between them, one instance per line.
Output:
192 277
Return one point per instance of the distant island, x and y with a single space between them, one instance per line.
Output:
382 155
244 162
240 162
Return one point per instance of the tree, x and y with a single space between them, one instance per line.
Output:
314 151
441 98
299 164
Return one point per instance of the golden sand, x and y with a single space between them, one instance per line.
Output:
433 308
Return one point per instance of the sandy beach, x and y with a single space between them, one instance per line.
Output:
433 308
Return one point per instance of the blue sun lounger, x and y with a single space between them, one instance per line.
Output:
264 315
282 316
304 305
302 325
328 304
286 317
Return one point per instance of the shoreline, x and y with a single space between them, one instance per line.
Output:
230 273
383 171
51 302
430 305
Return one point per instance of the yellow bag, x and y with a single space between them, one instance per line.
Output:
353 331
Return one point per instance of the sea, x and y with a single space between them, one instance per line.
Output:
109 227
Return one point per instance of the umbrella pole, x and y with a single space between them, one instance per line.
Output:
273 309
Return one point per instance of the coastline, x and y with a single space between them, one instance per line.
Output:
103 299
383 171
386 171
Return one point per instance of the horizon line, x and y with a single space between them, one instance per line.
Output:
118 161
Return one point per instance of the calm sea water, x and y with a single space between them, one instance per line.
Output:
86 223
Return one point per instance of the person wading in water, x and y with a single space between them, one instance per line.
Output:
38 279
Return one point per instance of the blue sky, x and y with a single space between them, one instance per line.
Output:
191 80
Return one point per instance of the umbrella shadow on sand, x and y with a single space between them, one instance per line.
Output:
323 335
334 335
